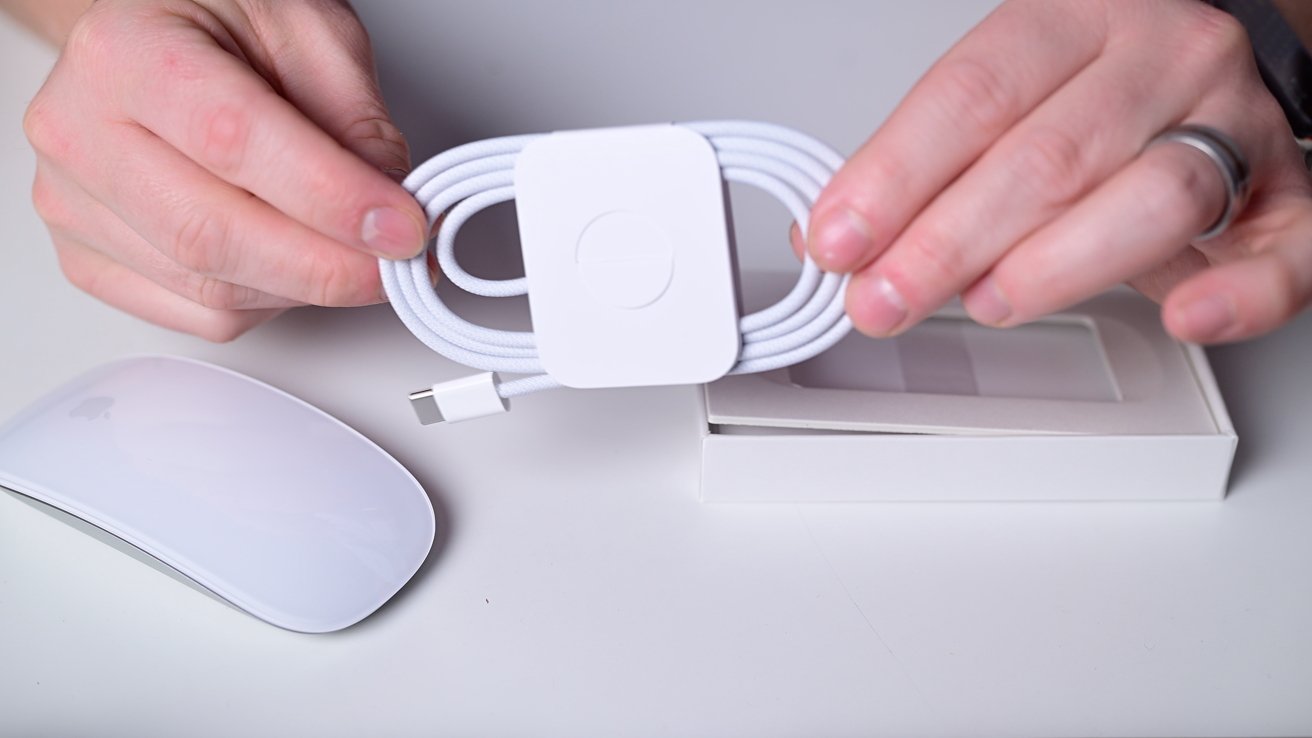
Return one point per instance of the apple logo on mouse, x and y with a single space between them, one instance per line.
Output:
93 408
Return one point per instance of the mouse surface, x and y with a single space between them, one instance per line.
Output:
258 497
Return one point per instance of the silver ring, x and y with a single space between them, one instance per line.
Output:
1229 160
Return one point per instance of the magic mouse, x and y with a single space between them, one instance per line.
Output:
265 501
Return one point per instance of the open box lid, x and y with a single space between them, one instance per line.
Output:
1106 367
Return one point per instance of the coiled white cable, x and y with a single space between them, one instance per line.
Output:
458 183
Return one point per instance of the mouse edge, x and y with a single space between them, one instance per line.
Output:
142 552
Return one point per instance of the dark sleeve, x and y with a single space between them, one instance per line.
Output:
1276 29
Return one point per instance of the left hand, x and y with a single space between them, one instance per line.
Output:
1015 174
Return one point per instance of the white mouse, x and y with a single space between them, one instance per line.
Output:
258 497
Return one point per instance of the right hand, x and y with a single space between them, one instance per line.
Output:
206 164
1020 173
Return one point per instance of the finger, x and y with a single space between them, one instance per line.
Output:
73 215
1278 207
1157 283
796 241
122 288
216 230
1245 298
329 76
220 114
962 105
1146 213
1074 140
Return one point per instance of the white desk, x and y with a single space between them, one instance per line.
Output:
582 590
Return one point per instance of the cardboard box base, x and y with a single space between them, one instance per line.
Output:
907 468
1160 431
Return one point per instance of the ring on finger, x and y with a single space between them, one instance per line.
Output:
1222 151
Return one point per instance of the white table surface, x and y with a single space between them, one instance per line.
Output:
579 588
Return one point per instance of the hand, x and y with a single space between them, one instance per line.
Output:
1015 174
206 164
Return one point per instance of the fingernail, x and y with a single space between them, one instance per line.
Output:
884 310
1207 318
397 175
840 240
392 234
986 303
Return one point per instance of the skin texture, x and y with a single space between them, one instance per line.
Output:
205 165
1015 174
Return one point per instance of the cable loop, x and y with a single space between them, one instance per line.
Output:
455 185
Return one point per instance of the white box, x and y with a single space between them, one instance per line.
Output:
1096 403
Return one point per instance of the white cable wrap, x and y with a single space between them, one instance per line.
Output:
458 183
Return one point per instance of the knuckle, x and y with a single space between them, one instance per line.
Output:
200 243
41 127
378 129
49 206
223 130
343 26
933 257
1219 30
977 91
76 268
341 18
1214 37
333 25
869 184
95 35
34 122
345 284
1051 164
218 294
890 168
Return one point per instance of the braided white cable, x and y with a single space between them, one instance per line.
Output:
458 183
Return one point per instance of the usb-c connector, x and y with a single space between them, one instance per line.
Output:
459 399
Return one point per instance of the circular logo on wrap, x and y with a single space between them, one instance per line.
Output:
625 259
